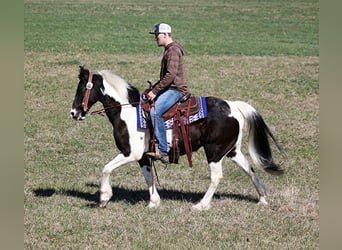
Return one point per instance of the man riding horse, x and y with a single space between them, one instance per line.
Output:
169 89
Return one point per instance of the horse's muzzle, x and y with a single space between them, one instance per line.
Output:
77 115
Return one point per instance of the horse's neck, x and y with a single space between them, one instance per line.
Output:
119 116
113 110
110 105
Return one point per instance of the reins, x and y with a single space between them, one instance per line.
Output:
100 111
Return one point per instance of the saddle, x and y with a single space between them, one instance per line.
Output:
180 113
187 103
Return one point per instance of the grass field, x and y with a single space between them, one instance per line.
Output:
262 52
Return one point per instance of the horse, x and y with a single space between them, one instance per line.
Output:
220 133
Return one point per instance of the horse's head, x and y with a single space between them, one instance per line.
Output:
85 95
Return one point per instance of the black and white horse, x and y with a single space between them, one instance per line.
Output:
220 133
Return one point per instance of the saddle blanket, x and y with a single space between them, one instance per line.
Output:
168 124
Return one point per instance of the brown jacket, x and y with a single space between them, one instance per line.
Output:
172 71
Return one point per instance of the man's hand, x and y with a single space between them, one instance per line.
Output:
151 95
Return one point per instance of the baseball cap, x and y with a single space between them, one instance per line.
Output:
161 28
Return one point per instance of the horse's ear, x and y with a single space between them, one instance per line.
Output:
82 68
84 73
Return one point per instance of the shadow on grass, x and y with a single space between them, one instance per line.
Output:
136 196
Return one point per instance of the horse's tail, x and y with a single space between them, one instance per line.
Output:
258 143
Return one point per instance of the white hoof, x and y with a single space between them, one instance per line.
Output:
103 204
105 197
262 201
200 207
154 204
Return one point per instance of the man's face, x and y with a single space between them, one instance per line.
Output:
160 39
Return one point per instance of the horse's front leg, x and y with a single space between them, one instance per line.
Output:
106 188
146 169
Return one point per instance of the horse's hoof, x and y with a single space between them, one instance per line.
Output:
153 204
103 204
262 201
200 207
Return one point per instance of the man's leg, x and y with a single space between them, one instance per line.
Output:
163 103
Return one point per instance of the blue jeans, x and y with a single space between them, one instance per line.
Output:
163 103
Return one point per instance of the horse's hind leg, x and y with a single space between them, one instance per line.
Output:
242 162
146 170
215 177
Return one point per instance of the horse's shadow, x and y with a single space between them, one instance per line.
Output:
136 196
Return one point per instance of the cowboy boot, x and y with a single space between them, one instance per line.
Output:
157 155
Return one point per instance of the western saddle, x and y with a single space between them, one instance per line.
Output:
180 113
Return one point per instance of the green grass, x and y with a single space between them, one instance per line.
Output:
215 27
266 53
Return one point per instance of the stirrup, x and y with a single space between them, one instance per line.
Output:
157 156
163 158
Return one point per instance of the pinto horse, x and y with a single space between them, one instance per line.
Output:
220 134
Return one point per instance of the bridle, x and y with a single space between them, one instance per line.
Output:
89 86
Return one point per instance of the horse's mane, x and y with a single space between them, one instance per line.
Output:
123 91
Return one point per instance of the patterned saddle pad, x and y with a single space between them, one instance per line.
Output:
202 113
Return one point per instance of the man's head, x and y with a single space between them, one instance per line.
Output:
162 34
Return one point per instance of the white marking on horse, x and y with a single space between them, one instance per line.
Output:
215 177
115 86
